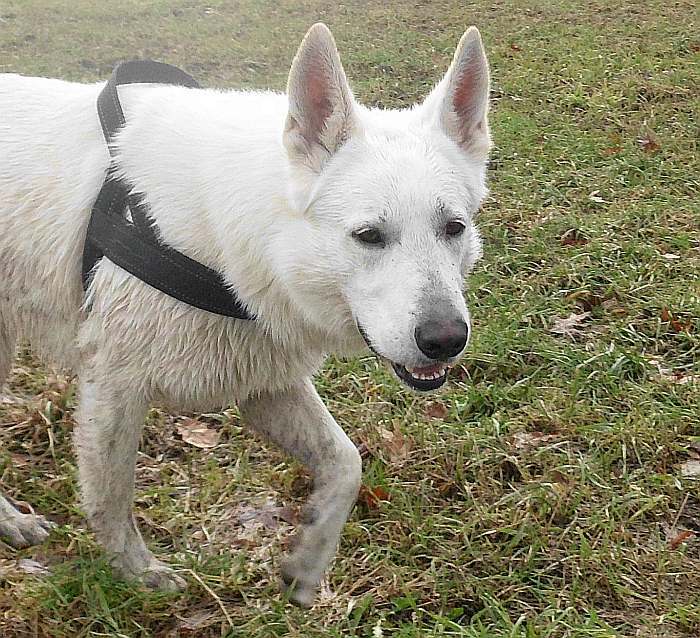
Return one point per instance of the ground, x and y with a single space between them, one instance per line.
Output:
551 490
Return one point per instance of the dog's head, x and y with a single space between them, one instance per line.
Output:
386 199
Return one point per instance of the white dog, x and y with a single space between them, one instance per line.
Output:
339 226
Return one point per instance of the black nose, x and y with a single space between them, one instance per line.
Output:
442 339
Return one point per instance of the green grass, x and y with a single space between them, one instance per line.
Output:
541 494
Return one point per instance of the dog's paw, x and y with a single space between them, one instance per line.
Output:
22 530
154 575
160 576
299 591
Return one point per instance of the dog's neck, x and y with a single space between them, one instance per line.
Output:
221 191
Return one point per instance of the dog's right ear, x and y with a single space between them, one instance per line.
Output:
321 113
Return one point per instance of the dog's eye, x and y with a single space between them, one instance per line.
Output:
369 236
454 228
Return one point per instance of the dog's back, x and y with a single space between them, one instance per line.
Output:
52 162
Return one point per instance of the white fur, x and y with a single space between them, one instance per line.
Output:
268 191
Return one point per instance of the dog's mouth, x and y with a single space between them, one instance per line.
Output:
425 379
421 378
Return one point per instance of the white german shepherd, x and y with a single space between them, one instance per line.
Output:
339 226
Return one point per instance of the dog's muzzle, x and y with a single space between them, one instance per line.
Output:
420 378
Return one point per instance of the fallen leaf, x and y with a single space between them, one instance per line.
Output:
529 440
364 450
269 515
198 434
673 376
695 444
198 620
515 47
372 496
569 326
612 150
573 237
397 445
680 537
585 299
436 410
29 566
20 460
595 197
690 469
677 325
648 144
613 307
682 326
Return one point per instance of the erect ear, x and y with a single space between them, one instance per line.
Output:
460 101
321 107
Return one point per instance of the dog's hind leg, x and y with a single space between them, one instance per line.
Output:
16 528
110 421
298 422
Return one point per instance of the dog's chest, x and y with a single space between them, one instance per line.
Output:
185 358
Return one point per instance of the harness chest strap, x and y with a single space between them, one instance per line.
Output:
135 246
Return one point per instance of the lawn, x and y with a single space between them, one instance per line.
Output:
552 489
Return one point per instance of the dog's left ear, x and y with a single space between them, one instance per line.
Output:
460 102
321 113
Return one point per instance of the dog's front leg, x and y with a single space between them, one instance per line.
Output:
298 422
110 421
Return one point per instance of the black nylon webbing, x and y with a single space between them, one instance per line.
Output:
135 246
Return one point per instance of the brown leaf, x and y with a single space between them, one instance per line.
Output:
436 410
515 47
198 620
648 144
198 434
397 445
613 307
269 515
569 326
371 497
677 325
691 469
680 537
529 440
586 299
364 450
29 566
573 237
611 150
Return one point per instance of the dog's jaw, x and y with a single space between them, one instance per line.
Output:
419 379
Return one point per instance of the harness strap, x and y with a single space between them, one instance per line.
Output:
135 247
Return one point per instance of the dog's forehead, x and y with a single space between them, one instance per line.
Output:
406 176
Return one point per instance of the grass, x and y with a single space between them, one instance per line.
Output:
542 494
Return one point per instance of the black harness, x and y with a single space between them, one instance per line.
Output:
135 246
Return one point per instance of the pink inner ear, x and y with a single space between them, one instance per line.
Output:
318 103
465 97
